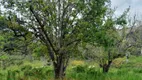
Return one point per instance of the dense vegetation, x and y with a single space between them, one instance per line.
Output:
68 39
77 70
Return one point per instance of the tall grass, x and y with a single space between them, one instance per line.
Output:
77 71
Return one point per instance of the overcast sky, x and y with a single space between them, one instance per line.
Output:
135 6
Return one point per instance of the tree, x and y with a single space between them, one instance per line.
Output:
13 44
107 40
59 24
134 38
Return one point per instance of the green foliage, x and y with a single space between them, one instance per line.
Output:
39 50
92 70
11 75
26 68
81 72
118 62
79 69
4 57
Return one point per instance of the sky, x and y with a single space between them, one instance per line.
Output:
121 5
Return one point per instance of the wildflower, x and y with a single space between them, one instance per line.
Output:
91 66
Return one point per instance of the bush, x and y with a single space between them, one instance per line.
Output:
11 75
91 70
137 70
79 68
26 68
38 72
77 62
117 63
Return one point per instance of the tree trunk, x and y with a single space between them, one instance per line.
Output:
106 67
59 71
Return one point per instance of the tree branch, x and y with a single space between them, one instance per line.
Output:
43 31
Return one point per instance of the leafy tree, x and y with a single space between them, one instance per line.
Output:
13 44
108 40
59 24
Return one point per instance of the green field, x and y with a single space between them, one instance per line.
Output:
77 70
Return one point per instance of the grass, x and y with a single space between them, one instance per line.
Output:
77 70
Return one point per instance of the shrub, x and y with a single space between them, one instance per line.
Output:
118 62
79 68
26 68
11 75
137 70
91 69
38 72
77 62
138 64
